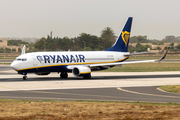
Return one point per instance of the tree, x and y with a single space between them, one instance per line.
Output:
161 43
13 50
7 50
139 47
169 38
172 44
16 42
1 50
108 35
178 46
158 48
140 39
154 43
19 50
87 40
88 49
40 44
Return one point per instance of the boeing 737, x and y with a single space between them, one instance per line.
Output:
80 63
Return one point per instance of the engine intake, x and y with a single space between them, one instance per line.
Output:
81 71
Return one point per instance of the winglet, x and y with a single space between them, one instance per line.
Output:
164 55
23 50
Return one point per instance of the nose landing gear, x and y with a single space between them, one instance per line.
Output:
23 73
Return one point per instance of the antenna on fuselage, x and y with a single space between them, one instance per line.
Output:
23 50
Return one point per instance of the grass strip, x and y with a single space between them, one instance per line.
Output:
33 109
171 88
168 57
5 63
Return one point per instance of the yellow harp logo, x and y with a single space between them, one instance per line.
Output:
125 36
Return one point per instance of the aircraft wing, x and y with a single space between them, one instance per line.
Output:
130 62
118 63
121 63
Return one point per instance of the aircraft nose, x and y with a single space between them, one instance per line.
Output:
14 65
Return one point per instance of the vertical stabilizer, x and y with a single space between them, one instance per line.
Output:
23 50
121 44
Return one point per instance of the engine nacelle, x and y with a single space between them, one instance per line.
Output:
81 71
43 73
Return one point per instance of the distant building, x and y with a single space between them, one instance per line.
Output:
154 46
4 44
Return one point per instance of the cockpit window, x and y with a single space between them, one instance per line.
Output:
18 59
21 59
24 59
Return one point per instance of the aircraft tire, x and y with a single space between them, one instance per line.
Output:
24 77
64 75
87 77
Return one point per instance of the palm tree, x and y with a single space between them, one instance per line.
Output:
108 34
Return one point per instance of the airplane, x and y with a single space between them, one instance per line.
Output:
80 63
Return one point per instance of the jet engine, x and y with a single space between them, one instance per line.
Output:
43 73
81 71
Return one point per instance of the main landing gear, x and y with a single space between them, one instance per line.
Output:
87 76
63 75
24 77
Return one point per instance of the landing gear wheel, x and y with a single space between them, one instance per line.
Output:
24 77
87 77
64 75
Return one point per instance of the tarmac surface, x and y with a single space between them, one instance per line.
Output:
113 86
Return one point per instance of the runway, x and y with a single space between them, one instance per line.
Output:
143 94
115 86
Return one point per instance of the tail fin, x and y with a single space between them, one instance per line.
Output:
121 44
23 50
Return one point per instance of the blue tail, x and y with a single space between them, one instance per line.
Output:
121 44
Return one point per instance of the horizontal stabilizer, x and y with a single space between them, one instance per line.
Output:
129 54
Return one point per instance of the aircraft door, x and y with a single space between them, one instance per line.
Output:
117 57
34 60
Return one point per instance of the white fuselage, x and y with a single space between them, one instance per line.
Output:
52 61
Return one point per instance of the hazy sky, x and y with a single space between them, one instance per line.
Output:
36 18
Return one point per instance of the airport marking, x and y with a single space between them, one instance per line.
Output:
146 93
8 88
